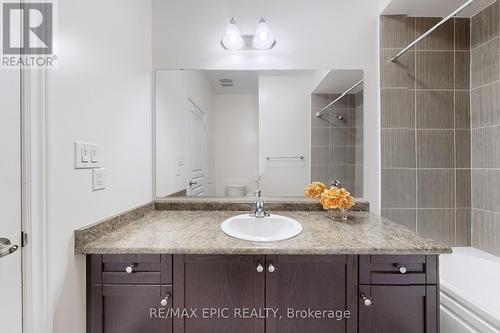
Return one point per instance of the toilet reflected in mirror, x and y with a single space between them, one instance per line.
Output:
236 190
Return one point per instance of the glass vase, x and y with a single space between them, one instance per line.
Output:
338 214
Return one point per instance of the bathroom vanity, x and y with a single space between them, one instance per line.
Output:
364 275
213 292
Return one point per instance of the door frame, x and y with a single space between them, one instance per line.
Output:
33 201
192 103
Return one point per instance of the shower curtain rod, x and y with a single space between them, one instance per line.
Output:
443 21
338 99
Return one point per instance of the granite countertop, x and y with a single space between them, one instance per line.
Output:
198 232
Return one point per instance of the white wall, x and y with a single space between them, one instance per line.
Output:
311 34
236 141
100 93
173 88
284 130
171 125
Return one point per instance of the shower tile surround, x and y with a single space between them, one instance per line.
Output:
425 131
359 146
337 145
485 129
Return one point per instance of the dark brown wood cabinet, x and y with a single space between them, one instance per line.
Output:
319 283
408 309
292 284
223 283
215 290
125 293
398 294
129 309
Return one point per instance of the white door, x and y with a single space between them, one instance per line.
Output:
10 202
197 152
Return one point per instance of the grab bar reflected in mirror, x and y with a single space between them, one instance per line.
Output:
269 158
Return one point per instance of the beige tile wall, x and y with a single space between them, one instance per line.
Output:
334 142
425 135
359 146
485 133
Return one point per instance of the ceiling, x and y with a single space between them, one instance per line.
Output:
246 81
338 81
434 8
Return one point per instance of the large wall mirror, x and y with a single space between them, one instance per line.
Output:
235 133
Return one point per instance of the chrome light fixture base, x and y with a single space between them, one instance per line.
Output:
248 44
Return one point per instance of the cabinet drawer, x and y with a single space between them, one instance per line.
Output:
132 269
398 270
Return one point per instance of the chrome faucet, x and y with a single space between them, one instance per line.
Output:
336 183
259 210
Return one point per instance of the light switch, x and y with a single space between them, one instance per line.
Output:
98 179
94 155
84 153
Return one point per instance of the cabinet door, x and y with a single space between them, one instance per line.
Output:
216 282
408 309
325 283
129 309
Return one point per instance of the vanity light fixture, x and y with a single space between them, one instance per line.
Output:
262 40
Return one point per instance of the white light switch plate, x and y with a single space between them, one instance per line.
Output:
98 179
87 155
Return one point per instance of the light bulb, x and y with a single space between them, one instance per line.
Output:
263 35
232 39
263 38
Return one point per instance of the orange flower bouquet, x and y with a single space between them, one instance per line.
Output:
335 200
314 190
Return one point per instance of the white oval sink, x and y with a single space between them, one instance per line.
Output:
266 229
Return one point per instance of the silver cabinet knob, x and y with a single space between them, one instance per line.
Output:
130 268
366 300
260 268
164 300
271 268
402 269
